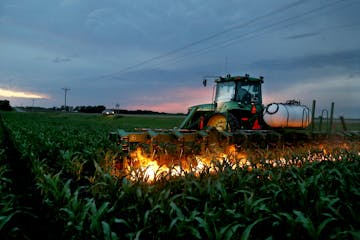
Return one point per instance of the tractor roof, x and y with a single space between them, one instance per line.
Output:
245 78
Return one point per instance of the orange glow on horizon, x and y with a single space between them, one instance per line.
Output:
181 100
21 94
173 107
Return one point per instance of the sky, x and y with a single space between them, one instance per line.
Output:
154 55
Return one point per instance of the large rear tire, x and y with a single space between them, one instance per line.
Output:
217 121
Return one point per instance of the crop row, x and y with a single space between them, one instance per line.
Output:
76 197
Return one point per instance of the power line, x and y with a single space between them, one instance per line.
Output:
251 34
229 41
259 31
212 36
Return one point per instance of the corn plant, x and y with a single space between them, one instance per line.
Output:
303 192
8 206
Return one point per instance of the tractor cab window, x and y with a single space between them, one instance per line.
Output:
248 92
225 91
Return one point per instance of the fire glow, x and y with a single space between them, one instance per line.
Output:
20 94
148 169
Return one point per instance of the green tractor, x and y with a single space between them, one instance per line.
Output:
237 105
236 116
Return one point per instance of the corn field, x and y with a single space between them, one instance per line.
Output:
56 183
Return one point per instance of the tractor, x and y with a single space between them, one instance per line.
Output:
236 117
238 106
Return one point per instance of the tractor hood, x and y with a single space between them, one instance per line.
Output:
203 107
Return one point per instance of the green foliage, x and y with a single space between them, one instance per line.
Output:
70 158
8 206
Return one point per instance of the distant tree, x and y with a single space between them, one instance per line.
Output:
100 108
90 109
67 108
5 105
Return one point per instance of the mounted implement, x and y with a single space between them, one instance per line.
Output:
236 117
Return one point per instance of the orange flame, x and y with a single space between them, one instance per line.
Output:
150 168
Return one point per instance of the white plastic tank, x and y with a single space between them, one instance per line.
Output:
287 115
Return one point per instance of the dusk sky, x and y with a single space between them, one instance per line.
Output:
154 54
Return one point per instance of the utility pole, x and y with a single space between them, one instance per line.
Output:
65 91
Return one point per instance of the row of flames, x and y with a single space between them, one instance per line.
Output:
149 168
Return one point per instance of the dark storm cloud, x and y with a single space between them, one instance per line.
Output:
303 35
348 60
133 52
61 59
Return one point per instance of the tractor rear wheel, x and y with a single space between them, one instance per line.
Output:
217 121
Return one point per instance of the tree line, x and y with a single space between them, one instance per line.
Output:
5 105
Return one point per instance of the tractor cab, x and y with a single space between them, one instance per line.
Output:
237 105
243 91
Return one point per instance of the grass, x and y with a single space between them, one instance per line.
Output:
351 124
104 123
